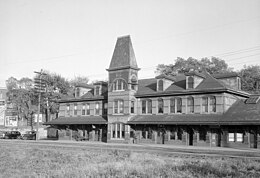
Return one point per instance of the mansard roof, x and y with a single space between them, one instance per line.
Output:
89 96
123 56
147 87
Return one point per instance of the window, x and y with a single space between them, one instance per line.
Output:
119 84
97 90
231 137
77 92
118 130
175 105
190 82
212 105
105 108
209 104
132 107
83 109
68 109
75 109
88 109
160 105
239 137
97 108
190 105
179 105
204 104
118 106
147 106
133 83
172 105
160 85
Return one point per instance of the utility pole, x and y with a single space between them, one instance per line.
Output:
39 86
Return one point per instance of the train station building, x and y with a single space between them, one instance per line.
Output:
194 108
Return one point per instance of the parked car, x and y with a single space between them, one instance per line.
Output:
12 135
29 135
2 134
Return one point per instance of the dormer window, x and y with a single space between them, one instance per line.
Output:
160 85
190 82
77 92
119 84
97 90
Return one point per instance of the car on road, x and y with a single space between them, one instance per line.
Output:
29 135
12 135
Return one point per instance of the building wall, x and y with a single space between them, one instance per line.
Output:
223 102
63 108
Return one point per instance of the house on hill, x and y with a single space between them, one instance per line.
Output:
193 108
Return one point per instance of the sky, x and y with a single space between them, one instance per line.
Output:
77 37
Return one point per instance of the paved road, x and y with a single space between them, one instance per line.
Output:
168 150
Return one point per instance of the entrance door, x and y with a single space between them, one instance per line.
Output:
190 136
253 140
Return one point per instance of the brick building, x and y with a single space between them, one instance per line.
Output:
194 108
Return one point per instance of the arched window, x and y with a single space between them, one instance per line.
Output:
212 104
147 106
133 83
190 105
160 105
179 105
160 85
119 106
172 105
119 84
190 82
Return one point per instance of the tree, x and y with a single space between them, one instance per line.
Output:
79 80
250 78
11 83
25 83
56 87
24 101
213 65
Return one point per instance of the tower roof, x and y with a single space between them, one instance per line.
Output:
123 56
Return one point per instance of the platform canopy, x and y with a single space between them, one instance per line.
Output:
80 120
